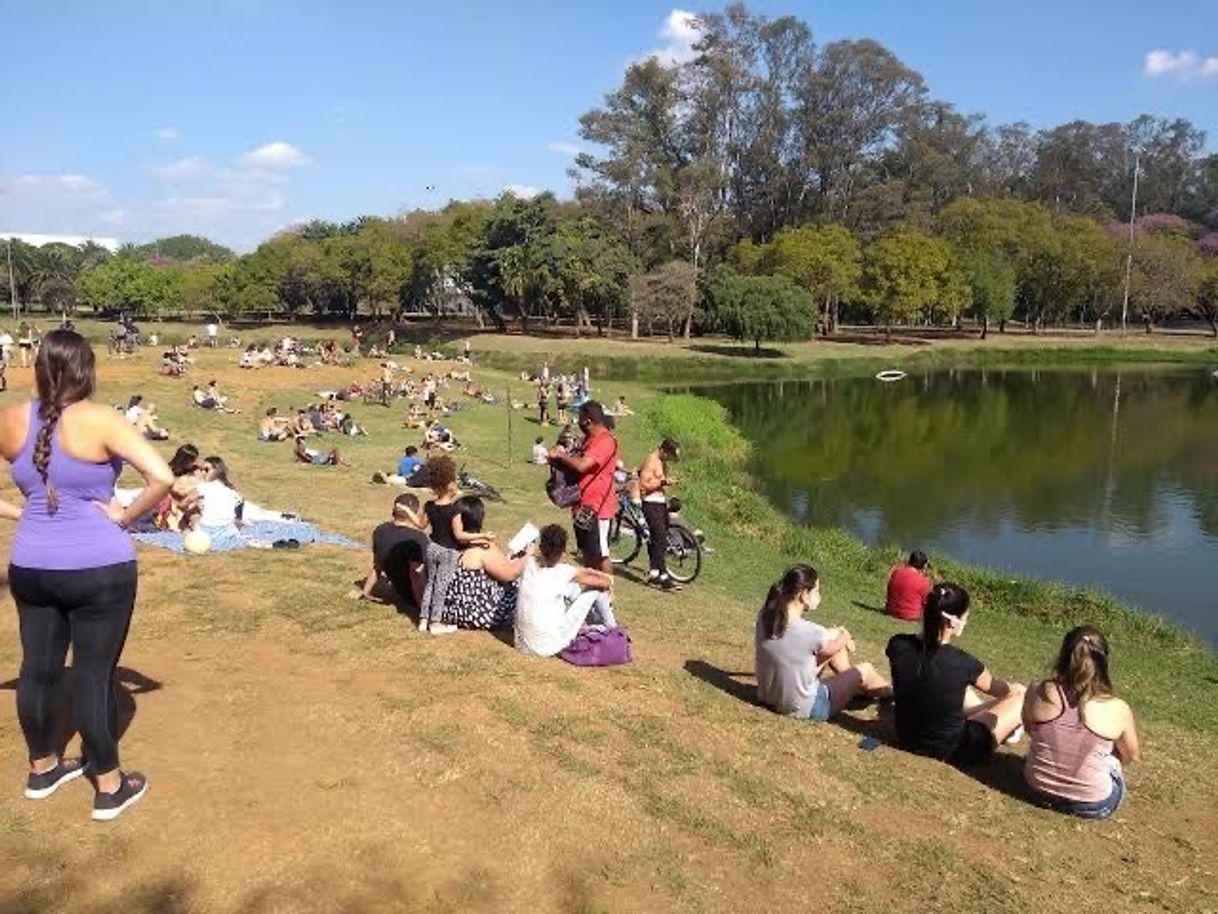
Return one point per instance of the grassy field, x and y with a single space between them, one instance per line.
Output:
307 753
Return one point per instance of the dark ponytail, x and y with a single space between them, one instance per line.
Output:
795 581
944 599
64 373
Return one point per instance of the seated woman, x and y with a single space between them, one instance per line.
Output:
804 669
144 419
438 437
1080 731
938 713
221 504
551 606
179 511
222 402
202 399
314 457
482 592
171 366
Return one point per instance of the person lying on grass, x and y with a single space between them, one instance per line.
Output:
805 670
552 604
1080 731
939 709
399 547
314 457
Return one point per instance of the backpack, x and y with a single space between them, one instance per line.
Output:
598 647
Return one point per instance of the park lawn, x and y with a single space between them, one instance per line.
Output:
307 753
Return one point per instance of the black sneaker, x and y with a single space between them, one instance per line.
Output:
41 786
107 806
668 584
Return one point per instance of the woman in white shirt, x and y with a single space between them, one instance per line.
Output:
221 504
551 606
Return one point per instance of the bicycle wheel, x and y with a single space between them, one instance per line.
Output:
684 557
625 540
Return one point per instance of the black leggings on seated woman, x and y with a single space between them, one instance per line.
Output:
89 609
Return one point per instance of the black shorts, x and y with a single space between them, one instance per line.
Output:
590 542
975 746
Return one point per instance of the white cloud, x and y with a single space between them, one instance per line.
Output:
565 149
113 217
274 156
680 33
523 191
189 167
65 185
166 134
1181 64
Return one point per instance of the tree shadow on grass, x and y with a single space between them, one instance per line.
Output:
127 684
733 683
739 352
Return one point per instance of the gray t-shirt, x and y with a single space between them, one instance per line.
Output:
786 666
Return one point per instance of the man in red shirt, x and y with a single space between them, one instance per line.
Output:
908 586
595 464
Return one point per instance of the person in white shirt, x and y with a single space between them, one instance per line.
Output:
6 346
541 454
221 504
213 332
551 606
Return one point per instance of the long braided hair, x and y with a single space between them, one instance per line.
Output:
64 373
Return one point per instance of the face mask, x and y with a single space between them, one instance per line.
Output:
812 600
957 623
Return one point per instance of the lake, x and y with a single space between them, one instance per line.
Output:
1104 477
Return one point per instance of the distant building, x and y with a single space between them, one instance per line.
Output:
110 244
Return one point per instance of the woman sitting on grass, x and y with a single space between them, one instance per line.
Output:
448 538
314 457
179 510
482 592
793 654
938 712
221 503
551 606
1080 731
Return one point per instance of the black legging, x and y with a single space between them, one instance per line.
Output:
91 610
656 515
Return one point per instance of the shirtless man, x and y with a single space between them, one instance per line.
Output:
653 480
273 427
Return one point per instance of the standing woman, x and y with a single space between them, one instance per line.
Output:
72 569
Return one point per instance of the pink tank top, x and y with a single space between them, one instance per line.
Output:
1067 760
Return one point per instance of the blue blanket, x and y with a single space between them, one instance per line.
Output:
253 534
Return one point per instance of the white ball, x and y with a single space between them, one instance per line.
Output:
197 541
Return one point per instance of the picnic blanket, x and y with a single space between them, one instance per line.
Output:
259 534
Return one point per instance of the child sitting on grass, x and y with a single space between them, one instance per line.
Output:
551 605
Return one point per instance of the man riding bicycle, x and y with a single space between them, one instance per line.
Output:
654 479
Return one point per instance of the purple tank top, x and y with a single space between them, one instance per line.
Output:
78 535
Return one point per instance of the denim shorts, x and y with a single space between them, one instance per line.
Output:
1099 809
822 704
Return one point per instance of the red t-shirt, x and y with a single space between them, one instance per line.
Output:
907 589
596 485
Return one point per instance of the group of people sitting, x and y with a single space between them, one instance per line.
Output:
437 560
948 705
211 398
201 496
175 361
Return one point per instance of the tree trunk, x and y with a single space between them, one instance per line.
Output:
1213 319
985 326
634 325
687 326
478 319
756 347
523 310
1002 325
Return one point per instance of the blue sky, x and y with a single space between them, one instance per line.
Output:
234 118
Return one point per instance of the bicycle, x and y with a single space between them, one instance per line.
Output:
629 534
377 392
472 485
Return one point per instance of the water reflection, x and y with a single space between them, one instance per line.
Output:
1096 477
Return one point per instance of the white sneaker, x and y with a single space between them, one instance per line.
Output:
423 624
1015 737
439 628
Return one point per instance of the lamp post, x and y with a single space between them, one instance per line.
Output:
12 281
1133 209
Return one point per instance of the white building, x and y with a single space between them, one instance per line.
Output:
32 238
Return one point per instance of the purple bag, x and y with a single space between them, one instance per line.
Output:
598 647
